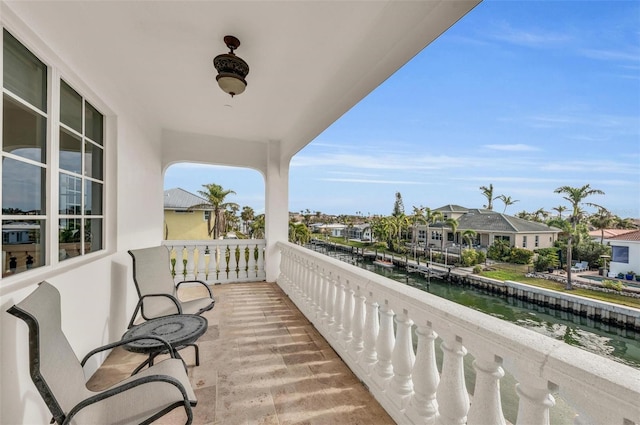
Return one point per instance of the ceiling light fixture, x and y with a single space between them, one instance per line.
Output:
232 70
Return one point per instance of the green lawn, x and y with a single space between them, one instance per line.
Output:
556 286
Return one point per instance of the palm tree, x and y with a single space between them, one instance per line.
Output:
299 233
453 224
575 195
560 209
431 217
247 215
258 226
540 215
603 219
416 217
488 193
469 235
507 201
215 195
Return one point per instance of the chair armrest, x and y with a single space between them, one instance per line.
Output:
175 301
170 349
196 281
127 386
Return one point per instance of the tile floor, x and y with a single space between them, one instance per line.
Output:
262 362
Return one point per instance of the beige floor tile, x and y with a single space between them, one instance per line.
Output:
261 363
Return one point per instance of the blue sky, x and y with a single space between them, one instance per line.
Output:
525 95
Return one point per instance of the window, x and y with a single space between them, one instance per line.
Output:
29 172
206 215
537 241
620 254
524 241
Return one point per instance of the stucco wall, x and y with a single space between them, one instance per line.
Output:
97 292
185 226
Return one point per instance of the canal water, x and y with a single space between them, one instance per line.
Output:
620 345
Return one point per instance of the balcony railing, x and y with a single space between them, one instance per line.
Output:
387 333
218 261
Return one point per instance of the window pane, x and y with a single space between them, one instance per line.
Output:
70 107
23 131
70 152
620 254
70 195
93 198
22 187
93 235
92 160
69 239
23 246
93 124
24 74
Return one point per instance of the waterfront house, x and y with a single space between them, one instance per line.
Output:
625 253
185 216
489 226
101 97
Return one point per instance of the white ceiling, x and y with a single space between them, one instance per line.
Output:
310 61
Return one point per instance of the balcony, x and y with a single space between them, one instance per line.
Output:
418 355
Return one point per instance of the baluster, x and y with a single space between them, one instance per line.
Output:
423 407
237 256
313 290
402 360
357 324
384 347
534 405
338 309
180 270
201 270
347 314
371 329
330 301
247 260
320 311
487 406
212 267
452 396
191 264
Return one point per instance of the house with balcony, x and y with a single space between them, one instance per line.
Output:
101 97
186 215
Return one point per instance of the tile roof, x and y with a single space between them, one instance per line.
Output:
608 233
180 199
633 235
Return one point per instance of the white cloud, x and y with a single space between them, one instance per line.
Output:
518 147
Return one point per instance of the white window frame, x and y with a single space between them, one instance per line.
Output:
57 70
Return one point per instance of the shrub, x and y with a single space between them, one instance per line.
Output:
477 269
520 256
541 263
469 257
611 284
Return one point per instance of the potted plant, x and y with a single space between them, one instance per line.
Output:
620 275
630 275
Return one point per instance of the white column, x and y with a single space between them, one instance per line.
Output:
487 406
330 301
452 396
338 309
423 407
357 324
320 295
201 271
402 359
384 347
371 329
276 206
347 313
534 405
179 264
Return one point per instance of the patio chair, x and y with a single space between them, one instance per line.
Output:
156 289
580 267
60 380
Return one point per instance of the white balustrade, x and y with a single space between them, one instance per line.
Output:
347 314
355 310
423 406
218 261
